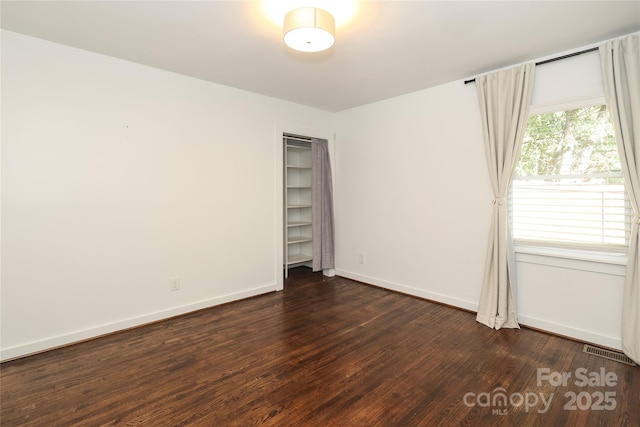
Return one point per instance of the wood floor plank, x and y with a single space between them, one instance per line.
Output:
325 352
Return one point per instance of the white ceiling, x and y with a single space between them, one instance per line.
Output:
389 48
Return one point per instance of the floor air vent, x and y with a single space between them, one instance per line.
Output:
608 354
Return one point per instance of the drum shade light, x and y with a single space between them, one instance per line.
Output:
309 29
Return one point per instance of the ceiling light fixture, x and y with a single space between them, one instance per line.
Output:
309 29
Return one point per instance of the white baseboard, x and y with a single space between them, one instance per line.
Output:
329 272
571 332
84 334
524 320
93 332
433 296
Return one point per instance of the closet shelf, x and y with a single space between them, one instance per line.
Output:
298 239
298 177
295 259
298 223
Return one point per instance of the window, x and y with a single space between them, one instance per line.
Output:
568 189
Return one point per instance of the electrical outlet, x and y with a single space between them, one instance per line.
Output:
361 258
174 284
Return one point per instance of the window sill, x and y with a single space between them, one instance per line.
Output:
593 261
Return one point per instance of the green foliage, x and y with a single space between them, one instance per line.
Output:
580 141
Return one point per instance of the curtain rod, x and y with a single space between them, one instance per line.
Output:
546 61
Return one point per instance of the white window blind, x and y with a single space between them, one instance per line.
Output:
568 189
570 210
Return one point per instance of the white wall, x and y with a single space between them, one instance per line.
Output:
117 177
413 197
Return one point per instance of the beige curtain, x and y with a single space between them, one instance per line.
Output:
620 60
505 98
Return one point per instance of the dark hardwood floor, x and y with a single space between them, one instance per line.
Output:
325 352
